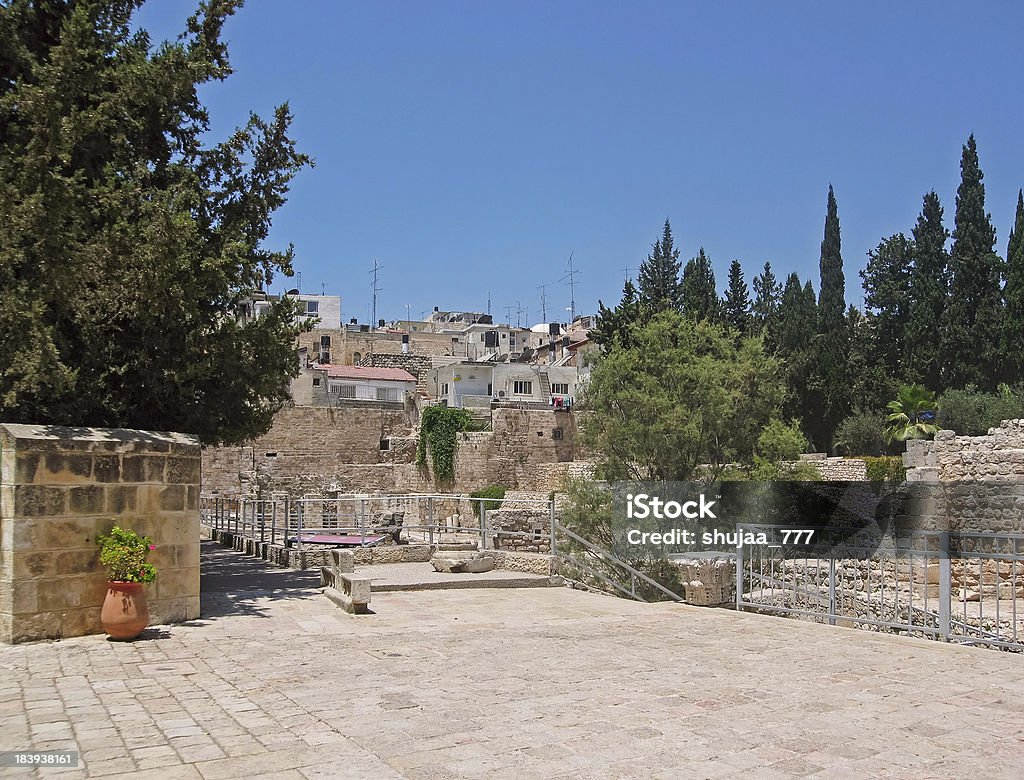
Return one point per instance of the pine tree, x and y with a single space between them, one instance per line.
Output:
929 285
833 343
660 287
887 299
736 306
1013 324
699 294
612 328
767 297
972 321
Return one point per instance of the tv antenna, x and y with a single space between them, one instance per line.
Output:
375 289
571 277
543 304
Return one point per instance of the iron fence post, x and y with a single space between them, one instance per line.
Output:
945 587
739 577
832 591
551 522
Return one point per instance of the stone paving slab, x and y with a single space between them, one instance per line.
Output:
528 683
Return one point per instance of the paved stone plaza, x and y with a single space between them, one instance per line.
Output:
542 682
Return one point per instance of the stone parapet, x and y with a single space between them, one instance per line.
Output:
62 487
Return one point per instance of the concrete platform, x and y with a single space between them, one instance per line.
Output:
392 577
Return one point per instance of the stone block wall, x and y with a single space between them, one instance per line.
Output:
62 487
837 469
999 455
311 450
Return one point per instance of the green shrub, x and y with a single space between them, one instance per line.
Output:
971 412
861 434
491 492
885 469
780 442
124 554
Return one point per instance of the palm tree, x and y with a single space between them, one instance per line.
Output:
912 415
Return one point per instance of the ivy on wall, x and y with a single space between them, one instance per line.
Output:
438 427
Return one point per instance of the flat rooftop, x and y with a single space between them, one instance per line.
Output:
507 683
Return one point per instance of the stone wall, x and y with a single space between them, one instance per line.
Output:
837 469
311 450
59 489
999 455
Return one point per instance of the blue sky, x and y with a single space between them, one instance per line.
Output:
470 147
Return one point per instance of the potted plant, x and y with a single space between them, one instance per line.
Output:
125 614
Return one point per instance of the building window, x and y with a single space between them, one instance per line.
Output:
387 393
444 389
316 381
522 387
356 357
385 444
325 342
344 391
560 388
312 307
556 434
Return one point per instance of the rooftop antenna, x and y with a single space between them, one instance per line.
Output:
543 304
508 313
323 288
625 270
300 281
571 276
376 289
488 303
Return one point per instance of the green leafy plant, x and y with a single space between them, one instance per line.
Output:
490 492
912 415
438 428
886 469
861 434
124 553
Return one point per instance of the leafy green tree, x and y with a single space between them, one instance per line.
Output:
736 306
683 396
1013 324
613 325
929 286
699 293
780 442
912 415
972 320
767 298
887 298
660 287
130 247
831 381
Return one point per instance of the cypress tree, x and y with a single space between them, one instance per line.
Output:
612 328
972 327
929 285
660 287
1013 324
833 341
736 307
795 333
699 295
887 299
765 309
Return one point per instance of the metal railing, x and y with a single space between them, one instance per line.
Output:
950 586
429 518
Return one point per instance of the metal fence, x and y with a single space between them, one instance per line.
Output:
951 586
365 520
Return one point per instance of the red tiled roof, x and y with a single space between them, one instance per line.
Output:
366 372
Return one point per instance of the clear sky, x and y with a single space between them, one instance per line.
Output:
469 147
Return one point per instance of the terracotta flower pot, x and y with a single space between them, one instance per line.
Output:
125 613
